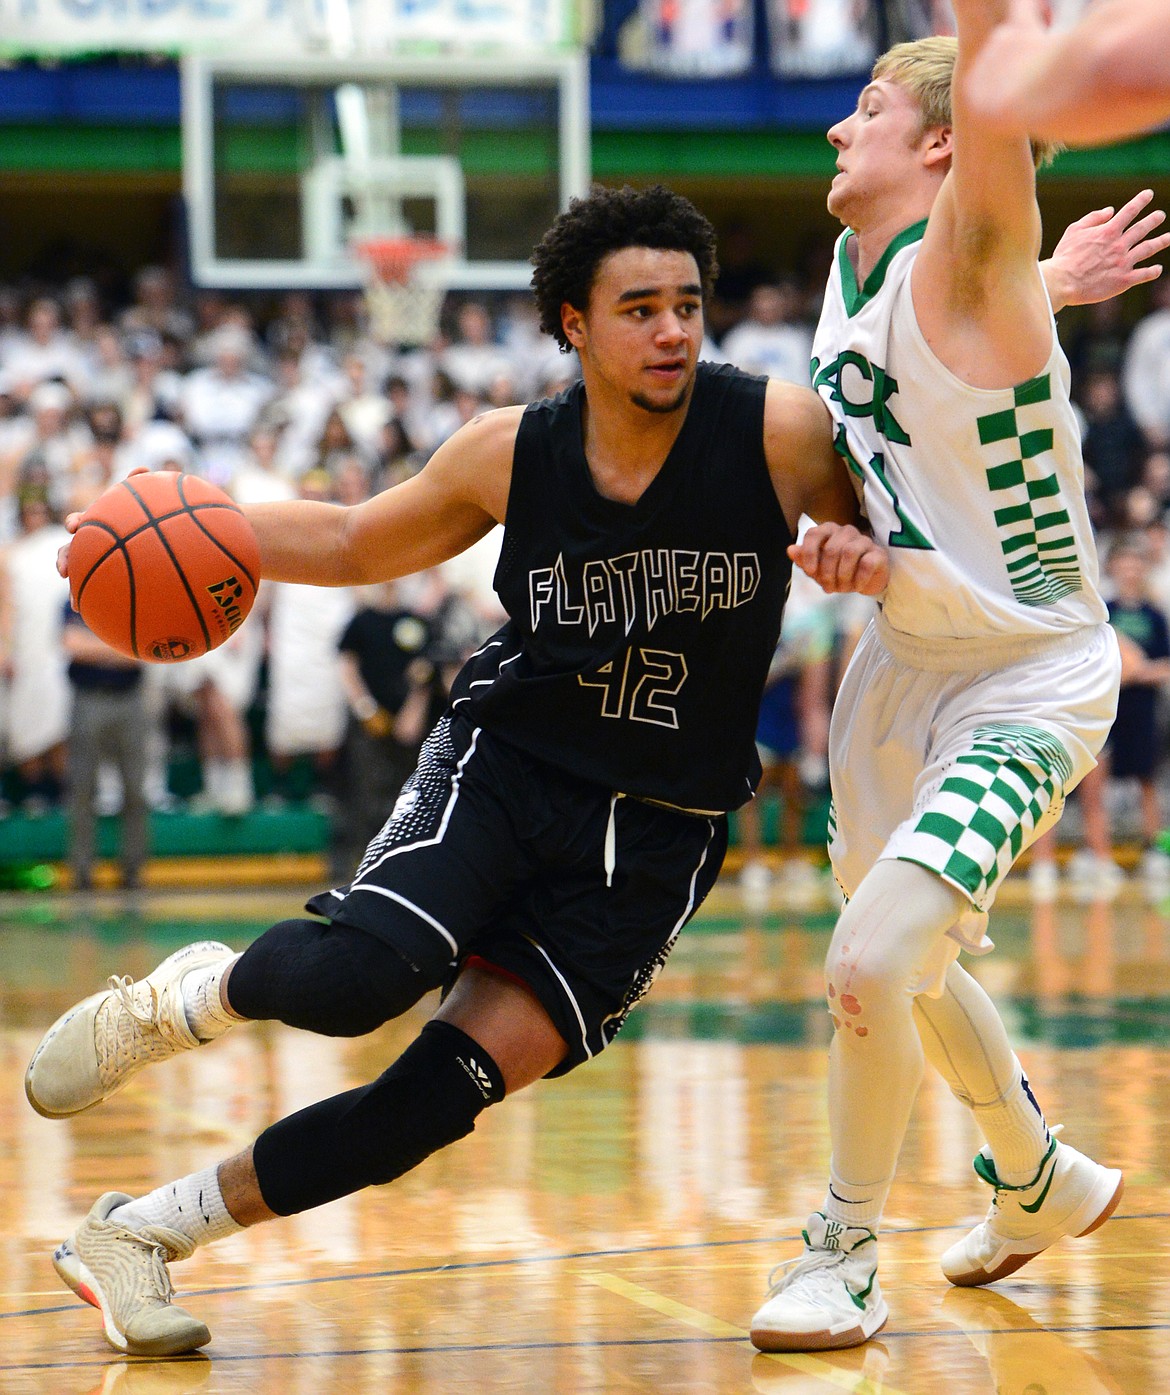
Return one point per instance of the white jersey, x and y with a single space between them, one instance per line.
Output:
978 493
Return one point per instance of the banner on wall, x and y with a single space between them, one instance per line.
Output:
820 38
295 26
696 38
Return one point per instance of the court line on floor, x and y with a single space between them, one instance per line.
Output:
481 1348
516 1261
331 1354
716 1327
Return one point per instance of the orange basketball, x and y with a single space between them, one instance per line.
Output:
164 567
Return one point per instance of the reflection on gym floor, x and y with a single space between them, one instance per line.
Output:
612 1231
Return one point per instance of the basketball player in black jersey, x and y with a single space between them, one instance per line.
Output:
568 813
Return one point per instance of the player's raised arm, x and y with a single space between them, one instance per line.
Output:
456 499
978 293
1106 78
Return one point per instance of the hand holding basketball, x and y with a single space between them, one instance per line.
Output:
163 566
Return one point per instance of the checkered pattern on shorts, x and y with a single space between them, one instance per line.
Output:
990 803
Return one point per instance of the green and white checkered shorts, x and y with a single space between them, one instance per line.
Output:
959 771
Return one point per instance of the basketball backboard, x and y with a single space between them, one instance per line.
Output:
286 160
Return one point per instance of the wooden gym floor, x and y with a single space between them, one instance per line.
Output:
612 1231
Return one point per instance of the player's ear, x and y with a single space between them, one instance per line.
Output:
940 145
573 323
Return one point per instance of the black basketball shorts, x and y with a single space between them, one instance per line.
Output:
576 891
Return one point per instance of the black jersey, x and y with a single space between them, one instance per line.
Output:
640 635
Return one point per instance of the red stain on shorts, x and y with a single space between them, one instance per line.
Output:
850 1004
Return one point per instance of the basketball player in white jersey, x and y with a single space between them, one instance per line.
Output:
1105 78
984 688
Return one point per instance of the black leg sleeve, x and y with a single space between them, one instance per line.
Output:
429 1097
335 980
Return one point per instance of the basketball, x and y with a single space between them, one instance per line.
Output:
164 567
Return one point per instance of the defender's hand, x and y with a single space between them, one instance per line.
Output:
839 557
1100 255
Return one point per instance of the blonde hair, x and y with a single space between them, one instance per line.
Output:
925 68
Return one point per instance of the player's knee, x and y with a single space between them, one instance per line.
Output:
866 985
429 1098
335 981
446 1080
868 988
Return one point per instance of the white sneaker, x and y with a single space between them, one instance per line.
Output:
124 1275
1070 1195
94 1049
829 1297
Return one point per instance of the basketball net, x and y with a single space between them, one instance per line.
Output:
401 309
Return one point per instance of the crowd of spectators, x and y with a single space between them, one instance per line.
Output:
295 397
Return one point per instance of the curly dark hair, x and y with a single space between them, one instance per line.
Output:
568 255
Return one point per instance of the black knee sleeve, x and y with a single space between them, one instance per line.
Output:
431 1096
330 979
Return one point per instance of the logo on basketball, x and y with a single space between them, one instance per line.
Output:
226 594
169 651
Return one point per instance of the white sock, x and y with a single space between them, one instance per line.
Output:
965 1038
194 1206
1017 1132
206 1015
852 1205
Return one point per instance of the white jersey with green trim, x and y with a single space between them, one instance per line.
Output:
979 494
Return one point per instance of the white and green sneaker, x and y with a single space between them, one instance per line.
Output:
1069 1195
827 1298
93 1049
123 1273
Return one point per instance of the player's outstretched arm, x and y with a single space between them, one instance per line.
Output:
1106 253
458 497
1106 78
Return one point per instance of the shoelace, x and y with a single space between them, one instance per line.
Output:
154 1016
159 1274
124 988
152 1254
816 1262
129 1048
